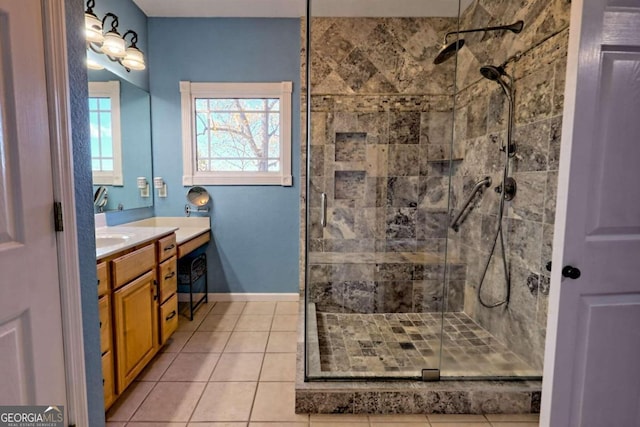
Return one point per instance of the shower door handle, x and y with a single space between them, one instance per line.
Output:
323 218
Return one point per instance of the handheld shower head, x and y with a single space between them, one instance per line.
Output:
495 74
492 72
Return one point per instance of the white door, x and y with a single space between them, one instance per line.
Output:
31 346
592 361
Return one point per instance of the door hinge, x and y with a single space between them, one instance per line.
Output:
57 216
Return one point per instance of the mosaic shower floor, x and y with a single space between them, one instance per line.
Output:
379 344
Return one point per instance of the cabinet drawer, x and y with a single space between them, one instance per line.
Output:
168 278
168 318
104 311
103 279
107 379
167 247
132 265
193 244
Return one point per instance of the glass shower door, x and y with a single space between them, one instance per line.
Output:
377 197
374 298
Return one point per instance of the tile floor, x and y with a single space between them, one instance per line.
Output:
233 366
376 344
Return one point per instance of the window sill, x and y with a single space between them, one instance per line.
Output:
245 179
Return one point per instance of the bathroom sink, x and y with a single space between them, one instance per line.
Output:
106 240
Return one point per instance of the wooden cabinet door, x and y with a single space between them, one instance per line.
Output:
107 379
136 327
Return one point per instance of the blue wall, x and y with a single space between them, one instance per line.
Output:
84 207
255 229
130 17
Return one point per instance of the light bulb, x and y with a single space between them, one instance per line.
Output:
113 45
134 59
93 28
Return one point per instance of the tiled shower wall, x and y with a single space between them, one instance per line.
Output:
381 123
480 130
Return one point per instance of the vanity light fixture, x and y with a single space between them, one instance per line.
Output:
161 186
143 185
112 44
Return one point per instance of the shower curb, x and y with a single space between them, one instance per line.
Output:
414 397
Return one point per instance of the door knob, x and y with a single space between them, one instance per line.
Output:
570 272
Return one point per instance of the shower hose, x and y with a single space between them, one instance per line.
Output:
499 232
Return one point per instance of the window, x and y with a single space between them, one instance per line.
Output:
236 133
104 122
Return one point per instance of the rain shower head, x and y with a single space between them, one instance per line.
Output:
449 49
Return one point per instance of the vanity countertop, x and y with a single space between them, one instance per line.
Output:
125 237
186 228
139 232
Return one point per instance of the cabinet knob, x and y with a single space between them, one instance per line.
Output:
571 272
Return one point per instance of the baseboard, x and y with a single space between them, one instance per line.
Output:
215 297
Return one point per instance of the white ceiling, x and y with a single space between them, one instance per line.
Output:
296 8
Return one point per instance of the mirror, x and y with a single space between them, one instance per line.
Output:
198 196
100 198
120 122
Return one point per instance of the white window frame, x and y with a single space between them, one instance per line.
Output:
189 91
110 89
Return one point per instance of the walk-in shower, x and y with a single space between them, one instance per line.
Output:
411 188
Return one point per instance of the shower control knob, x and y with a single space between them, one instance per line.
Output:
571 272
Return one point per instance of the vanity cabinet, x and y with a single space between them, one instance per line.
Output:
138 307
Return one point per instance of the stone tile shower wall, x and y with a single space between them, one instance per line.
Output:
381 123
480 129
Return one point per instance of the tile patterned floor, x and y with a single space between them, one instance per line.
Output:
409 342
225 370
